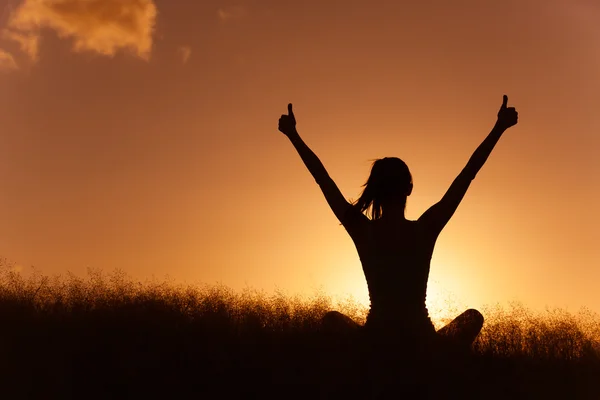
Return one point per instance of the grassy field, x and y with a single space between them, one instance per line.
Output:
106 337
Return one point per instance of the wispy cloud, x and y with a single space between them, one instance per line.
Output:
185 52
232 12
7 61
100 26
29 43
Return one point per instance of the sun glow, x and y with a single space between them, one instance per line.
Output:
442 306
348 282
441 301
348 285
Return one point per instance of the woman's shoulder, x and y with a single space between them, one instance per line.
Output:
355 221
354 214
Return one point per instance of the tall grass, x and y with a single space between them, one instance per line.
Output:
107 336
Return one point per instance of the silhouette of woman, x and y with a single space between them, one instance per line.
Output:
395 252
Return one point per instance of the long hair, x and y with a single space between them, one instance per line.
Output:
389 178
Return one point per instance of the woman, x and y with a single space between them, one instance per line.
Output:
395 252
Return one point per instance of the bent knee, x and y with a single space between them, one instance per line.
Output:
335 320
475 316
332 316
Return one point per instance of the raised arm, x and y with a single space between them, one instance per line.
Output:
335 199
436 217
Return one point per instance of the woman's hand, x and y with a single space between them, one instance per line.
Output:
507 116
287 123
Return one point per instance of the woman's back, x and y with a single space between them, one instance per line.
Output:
395 256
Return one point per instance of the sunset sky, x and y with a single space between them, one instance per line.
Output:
142 135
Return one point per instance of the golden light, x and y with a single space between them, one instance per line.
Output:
441 301
348 281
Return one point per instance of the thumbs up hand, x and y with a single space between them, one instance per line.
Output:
287 123
507 116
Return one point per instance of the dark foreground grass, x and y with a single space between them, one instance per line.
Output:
108 337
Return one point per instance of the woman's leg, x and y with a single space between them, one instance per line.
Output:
337 322
459 372
463 330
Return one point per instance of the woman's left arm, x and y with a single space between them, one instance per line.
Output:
436 217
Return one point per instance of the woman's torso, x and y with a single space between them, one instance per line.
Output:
395 257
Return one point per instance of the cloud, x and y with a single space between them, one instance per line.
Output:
185 52
101 26
29 43
7 61
229 13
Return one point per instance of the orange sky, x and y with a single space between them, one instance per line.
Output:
142 135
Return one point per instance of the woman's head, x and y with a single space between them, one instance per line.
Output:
389 183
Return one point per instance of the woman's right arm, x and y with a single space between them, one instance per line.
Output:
336 200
